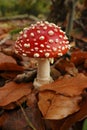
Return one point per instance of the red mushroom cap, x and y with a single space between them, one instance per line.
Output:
42 40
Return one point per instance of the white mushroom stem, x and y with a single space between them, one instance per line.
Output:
43 73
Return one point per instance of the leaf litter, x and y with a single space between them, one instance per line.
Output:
61 102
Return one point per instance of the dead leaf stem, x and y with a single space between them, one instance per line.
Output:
26 117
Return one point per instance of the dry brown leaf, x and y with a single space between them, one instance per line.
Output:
4 35
3 117
8 63
78 57
65 65
59 109
12 92
60 98
57 106
69 86
9 74
45 101
80 115
17 121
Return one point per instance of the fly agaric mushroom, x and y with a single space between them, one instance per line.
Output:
43 41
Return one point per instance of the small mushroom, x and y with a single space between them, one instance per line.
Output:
43 41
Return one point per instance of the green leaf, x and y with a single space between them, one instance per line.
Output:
84 125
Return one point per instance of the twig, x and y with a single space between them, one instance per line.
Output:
80 24
69 27
19 17
5 39
27 119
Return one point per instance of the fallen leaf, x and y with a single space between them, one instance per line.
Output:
80 115
69 86
4 36
3 117
12 92
56 107
9 74
45 101
66 66
85 64
17 119
8 63
78 57
59 99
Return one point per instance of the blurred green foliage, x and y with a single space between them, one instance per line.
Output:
35 7
84 125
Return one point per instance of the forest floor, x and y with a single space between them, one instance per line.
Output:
56 106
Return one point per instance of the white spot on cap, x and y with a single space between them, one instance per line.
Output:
56 40
50 32
60 42
64 42
62 31
45 27
25 35
58 27
52 24
38 31
60 54
27 40
47 54
46 22
59 50
35 43
41 51
27 45
47 46
65 38
36 55
51 41
36 48
21 32
34 39
42 24
25 28
56 30
59 47
32 49
24 54
41 45
33 27
32 34
21 40
63 48
67 42
41 37
38 22
54 49
60 36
